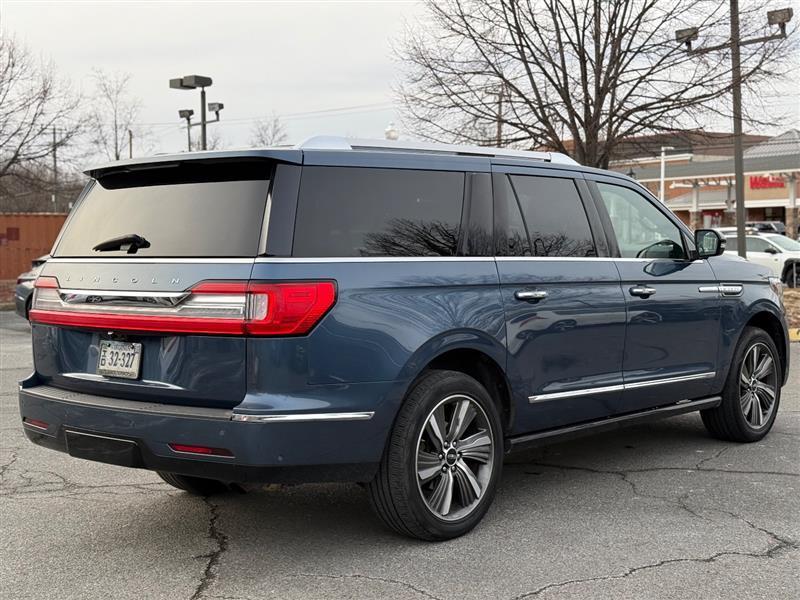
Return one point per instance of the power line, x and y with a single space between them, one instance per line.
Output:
354 109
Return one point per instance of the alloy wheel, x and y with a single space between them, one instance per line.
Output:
757 385
455 457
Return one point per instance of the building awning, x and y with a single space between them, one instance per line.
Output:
721 169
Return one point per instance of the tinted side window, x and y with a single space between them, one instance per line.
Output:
642 230
554 216
510 236
350 211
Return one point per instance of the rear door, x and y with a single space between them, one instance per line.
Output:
565 313
673 308
158 317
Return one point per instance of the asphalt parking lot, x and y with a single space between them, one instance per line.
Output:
656 511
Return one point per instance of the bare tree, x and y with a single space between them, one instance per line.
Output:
268 132
214 140
114 112
33 102
575 76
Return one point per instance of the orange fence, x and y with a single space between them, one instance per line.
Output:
23 237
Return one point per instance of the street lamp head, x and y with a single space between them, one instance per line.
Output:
780 17
186 113
687 36
190 82
215 107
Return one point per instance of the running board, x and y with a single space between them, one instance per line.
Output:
561 434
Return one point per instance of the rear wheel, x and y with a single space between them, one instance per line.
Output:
440 470
198 486
752 391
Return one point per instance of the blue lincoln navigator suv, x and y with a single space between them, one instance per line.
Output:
401 316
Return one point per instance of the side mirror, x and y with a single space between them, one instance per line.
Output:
770 250
709 243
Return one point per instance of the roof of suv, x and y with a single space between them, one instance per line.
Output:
344 147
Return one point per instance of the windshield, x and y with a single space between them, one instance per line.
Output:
784 242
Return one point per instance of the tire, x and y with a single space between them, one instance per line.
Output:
419 506
197 486
737 418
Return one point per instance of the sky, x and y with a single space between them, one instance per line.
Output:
302 60
290 58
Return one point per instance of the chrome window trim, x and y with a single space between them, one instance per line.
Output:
619 387
300 418
205 261
379 259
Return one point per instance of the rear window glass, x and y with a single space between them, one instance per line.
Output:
179 217
349 211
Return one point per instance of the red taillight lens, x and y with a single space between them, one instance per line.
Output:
204 450
287 308
211 307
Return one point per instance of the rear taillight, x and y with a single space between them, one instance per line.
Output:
211 307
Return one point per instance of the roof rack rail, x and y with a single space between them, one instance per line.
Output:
326 142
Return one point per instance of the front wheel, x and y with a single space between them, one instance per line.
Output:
439 473
752 391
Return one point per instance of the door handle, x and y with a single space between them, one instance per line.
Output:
642 291
530 295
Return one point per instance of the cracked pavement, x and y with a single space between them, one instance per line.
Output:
654 511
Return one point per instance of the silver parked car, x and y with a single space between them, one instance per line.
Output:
24 290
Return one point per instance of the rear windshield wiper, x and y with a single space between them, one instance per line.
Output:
132 241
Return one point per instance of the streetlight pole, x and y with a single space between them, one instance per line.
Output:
187 113
203 141
687 36
738 150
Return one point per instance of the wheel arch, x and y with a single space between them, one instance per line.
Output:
473 353
770 323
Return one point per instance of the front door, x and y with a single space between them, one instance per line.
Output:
565 312
673 308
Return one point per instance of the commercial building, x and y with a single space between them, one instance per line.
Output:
699 178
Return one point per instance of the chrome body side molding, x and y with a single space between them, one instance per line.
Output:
302 418
619 387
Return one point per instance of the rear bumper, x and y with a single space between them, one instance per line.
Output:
138 434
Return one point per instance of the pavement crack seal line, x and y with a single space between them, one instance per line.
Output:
9 464
221 539
774 550
371 578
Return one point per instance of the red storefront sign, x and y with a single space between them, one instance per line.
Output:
762 182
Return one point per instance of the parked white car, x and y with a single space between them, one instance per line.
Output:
778 252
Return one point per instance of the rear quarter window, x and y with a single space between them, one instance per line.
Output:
352 211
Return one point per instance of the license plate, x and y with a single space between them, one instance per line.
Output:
119 359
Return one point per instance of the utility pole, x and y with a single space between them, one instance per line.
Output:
499 138
687 36
130 143
55 169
